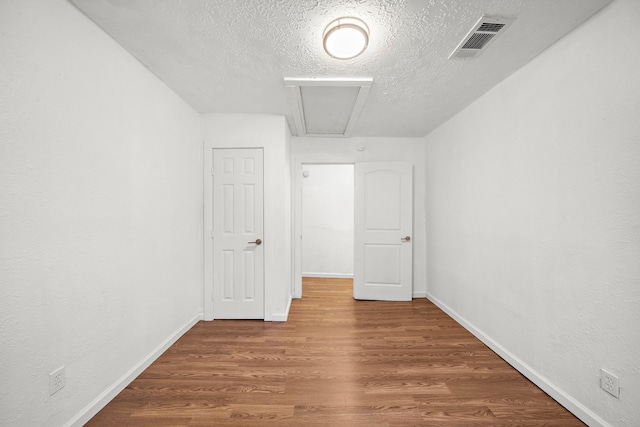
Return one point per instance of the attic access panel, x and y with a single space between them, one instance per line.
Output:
327 107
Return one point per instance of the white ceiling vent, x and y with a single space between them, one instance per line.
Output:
483 33
325 107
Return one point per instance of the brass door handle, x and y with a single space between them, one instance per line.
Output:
258 242
406 239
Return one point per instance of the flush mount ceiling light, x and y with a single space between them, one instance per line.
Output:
345 38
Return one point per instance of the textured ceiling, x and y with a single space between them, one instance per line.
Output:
231 56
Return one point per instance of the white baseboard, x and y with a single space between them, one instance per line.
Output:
572 405
106 396
419 294
329 275
282 317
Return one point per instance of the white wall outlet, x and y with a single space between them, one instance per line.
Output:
56 380
609 383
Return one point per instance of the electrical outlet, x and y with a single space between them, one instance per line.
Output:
56 380
609 383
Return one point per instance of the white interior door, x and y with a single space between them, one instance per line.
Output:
237 252
383 231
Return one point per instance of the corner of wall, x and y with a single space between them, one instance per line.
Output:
548 386
282 317
112 391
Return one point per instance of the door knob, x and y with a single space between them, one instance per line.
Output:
257 242
406 239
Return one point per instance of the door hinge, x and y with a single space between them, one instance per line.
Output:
212 172
212 233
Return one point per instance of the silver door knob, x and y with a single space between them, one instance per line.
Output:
257 242
406 239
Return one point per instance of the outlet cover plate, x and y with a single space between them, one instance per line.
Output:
56 380
610 383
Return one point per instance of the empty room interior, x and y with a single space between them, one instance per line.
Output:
175 171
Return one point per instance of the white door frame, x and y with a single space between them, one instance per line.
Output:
297 208
298 219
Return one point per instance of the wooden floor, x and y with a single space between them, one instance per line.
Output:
336 362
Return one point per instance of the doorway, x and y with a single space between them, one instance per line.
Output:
327 222
382 243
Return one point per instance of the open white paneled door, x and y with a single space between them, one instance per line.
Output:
383 250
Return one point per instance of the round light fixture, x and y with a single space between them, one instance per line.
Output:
345 38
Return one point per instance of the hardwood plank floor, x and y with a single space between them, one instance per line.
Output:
336 362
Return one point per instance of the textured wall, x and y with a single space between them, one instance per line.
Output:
100 211
533 214
327 220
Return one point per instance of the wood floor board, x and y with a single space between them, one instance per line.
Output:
406 415
212 387
156 421
336 362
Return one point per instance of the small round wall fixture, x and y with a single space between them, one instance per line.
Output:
345 38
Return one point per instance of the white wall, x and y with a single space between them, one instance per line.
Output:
340 150
327 220
271 133
533 214
100 213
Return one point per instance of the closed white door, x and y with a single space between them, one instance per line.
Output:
237 254
383 231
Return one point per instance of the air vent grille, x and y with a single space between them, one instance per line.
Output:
483 33
490 27
478 41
